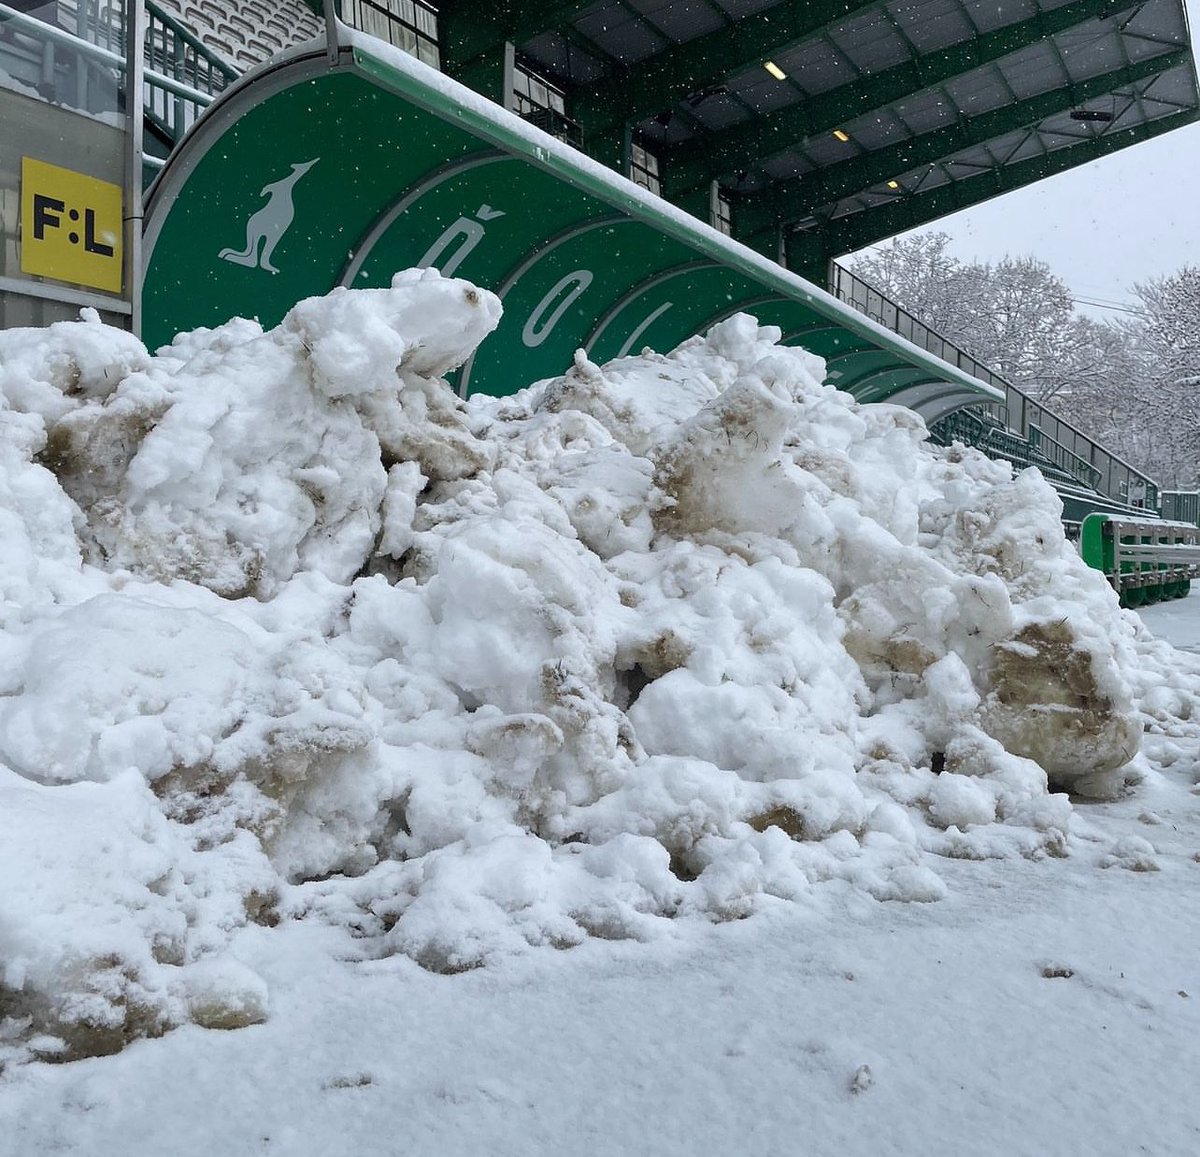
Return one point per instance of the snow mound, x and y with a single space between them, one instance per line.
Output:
290 631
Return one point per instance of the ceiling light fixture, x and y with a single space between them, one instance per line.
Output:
841 136
893 184
774 70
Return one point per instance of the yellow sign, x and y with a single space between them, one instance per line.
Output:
70 226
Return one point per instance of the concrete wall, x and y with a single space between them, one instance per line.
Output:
56 135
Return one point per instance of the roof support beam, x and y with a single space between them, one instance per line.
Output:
640 91
745 145
470 30
792 200
845 235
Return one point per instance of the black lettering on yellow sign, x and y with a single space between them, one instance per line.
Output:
44 210
70 226
41 216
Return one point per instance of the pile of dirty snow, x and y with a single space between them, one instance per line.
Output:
289 631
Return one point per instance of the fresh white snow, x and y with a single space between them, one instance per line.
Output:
1177 620
672 755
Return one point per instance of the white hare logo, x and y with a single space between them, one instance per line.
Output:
270 223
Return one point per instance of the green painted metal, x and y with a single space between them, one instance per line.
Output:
694 164
792 200
469 31
907 211
887 384
640 91
591 264
433 208
330 118
180 43
307 175
1145 560
1095 547
1181 505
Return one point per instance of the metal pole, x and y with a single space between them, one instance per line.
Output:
135 62
331 32
508 79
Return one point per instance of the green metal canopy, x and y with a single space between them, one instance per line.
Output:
321 170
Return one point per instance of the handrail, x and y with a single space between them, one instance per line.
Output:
182 32
185 59
1022 412
178 88
1144 561
61 36
1081 468
995 439
852 289
101 55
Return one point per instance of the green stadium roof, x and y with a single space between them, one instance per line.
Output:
887 115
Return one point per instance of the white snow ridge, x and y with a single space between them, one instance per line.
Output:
291 632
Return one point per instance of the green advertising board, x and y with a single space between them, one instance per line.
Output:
318 171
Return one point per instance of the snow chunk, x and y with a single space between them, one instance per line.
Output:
1132 853
241 458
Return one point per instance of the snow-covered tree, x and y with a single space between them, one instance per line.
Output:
1166 332
1134 386
1169 327
1015 316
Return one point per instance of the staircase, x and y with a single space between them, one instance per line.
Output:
194 50
981 430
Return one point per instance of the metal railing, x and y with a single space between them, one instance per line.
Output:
997 441
410 25
83 69
173 50
1144 561
96 23
1082 457
1079 469
864 297
555 123
1181 506
61 66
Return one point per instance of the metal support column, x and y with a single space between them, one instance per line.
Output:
135 65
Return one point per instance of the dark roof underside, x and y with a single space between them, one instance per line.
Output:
889 114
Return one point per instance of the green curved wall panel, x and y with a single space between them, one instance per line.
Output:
312 173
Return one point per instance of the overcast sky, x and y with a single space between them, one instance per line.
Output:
1103 226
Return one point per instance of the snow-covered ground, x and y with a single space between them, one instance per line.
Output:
670 757
1177 621
738 1038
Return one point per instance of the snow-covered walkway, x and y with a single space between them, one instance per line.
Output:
1177 620
1041 1009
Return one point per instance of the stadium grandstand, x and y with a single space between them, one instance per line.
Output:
800 130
